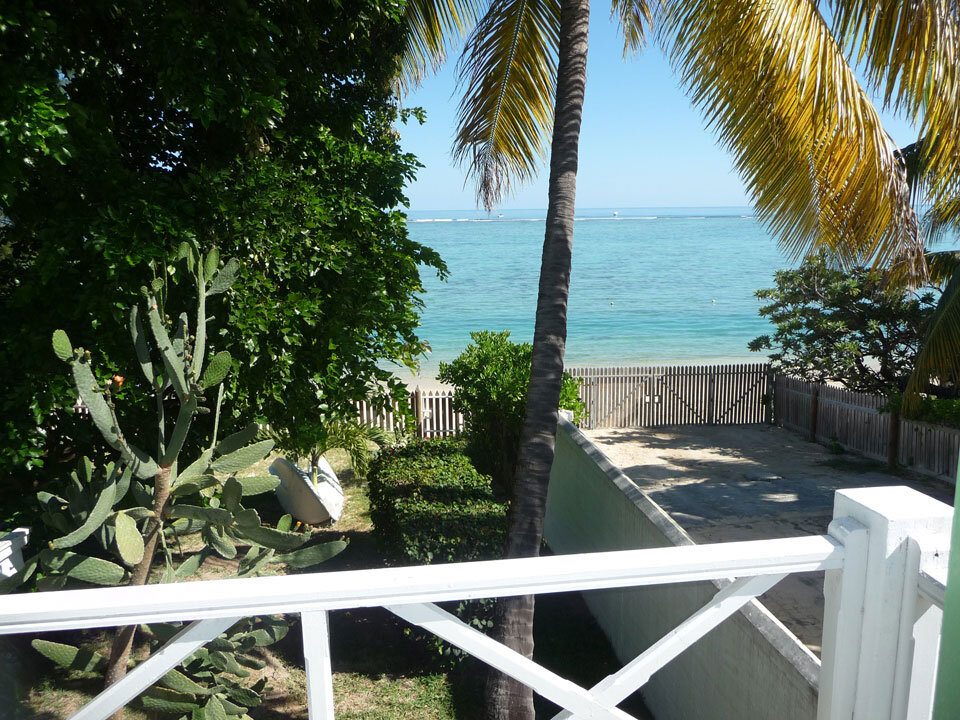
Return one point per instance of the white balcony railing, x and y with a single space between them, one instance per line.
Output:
884 553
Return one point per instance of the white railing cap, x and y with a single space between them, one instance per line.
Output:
104 607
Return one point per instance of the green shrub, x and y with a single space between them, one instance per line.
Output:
430 505
491 376
933 410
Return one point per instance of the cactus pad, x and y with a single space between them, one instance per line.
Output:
238 439
313 555
258 484
225 278
243 458
61 346
217 369
69 657
129 540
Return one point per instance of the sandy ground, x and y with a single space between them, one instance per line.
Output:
425 380
727 483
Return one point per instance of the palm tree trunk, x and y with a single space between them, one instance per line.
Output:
506 698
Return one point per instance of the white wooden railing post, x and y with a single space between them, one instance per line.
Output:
870 609
316 663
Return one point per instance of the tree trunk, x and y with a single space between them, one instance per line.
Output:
506 698
123 640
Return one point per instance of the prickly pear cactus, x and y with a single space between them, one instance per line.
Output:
110 523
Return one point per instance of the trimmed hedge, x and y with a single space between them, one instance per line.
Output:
430 505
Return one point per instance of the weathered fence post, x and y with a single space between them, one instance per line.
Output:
592 419
871 604
814 411
770 411
417 401
711 399
893 440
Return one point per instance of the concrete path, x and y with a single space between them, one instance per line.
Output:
726 483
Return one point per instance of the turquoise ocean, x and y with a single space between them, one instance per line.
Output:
649 285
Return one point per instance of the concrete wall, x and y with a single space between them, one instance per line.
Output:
749 668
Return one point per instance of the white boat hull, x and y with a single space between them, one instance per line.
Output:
306 503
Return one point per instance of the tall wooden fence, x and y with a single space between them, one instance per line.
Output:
657 395
638 396
854 421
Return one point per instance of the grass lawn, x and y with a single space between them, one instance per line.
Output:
379 670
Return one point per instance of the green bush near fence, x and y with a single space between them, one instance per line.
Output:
491 377
933 410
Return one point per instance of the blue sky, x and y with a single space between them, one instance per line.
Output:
642 143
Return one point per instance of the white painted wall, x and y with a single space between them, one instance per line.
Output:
749 668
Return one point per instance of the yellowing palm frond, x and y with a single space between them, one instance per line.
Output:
509 70
635 17
434 27
911 53
773 82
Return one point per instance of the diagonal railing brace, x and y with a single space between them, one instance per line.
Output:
615 688
180 646
548 684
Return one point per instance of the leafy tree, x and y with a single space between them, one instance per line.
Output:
491 377
775 84
848 327
266 127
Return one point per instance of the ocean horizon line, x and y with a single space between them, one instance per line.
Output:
648 213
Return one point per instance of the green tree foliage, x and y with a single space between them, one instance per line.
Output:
127 128
491 377
848 327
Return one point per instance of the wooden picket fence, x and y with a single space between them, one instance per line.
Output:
658 395
738 394
432 414
854 421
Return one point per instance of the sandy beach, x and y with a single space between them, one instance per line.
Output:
426 378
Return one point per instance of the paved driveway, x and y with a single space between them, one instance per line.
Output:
725 483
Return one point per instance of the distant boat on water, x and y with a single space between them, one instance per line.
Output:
616 213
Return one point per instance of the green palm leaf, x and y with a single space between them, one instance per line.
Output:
939 357
943 265
508 70
433 27
635 17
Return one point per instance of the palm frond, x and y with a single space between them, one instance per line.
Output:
433 28
508 70
940 216
775 86
635 17
939 356
354 438
910 52
943 265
